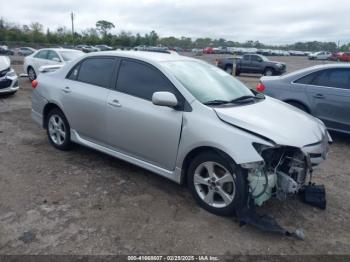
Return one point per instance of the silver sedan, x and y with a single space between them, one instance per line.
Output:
185 120
323 91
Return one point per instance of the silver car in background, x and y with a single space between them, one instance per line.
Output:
323 91
185 120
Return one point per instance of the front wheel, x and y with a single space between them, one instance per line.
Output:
269 72
217 184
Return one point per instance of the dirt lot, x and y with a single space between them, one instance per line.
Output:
85 202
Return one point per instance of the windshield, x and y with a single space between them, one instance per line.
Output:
70 55
206 82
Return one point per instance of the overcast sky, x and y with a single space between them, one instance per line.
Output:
270 21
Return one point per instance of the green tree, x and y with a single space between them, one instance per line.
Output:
104 27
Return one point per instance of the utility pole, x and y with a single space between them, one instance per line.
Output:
72 15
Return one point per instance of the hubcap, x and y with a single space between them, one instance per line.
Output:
214 184
57 130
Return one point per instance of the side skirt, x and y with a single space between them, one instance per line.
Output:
172 175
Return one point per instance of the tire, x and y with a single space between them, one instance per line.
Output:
269 72
58 130
298 105
237 72
229 70
31 73
209 189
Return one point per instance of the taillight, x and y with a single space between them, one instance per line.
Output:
34 83
260 87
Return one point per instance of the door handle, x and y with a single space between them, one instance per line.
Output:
114 103
66 90
319 96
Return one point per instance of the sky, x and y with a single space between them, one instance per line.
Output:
269 21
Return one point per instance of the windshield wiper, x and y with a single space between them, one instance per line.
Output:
216 102
242 99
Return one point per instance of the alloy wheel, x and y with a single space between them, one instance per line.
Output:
214 184
57 130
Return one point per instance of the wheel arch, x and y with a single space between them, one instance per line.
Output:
195 152
48 107
288 101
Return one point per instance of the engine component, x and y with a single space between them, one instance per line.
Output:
261 185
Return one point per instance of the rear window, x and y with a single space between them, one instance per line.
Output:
95 71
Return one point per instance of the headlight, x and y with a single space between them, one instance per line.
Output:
11 73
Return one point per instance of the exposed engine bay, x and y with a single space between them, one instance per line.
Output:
285 171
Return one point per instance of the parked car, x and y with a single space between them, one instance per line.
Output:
345 57
103 47
183 119
336 56
197 51
8 77
253 63
320 55
208 50
25 51
48 56
323 91
89 49
4 50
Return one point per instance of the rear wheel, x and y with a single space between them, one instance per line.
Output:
31 73
217 184
58 130
228 70
237 72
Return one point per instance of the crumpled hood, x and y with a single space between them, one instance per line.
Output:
278 121
4 62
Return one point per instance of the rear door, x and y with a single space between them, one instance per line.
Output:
84 96
329 93
136 126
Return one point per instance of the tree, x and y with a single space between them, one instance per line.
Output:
104 27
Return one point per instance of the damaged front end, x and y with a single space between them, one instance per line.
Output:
285 171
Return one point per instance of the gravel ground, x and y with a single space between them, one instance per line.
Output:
85 202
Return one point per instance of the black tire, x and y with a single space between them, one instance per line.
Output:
298 105
240 183
229 70
269 71
66 145
237 72
31 73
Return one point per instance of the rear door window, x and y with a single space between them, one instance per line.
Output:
308 79
52 55
95 71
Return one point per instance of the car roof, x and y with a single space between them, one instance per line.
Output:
144 55
59 49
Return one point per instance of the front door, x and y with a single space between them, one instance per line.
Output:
136 126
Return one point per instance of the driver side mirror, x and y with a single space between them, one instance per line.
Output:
164 99
259 60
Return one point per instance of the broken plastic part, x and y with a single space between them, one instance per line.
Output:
265 223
